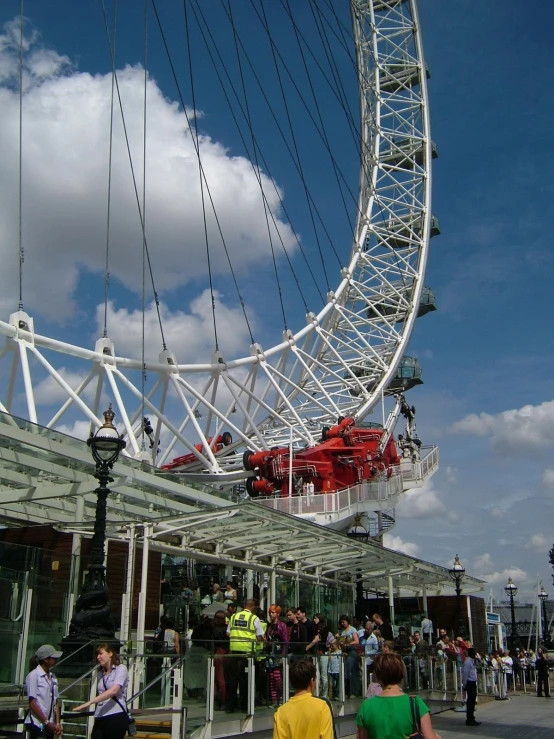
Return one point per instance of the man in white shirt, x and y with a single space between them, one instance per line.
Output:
469 684
508 666
427 630
371 646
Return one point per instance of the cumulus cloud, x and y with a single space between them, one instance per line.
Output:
77 429
483 567
49 391
65 171
451 474
422 502
529 428
501 577
38 63
539 542
396 543
482 562
190 335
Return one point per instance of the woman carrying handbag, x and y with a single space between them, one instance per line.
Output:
392 713
111 717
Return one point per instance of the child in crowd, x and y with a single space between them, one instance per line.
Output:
333 668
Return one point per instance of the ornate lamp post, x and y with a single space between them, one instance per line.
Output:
457 572
511 592
92 619
543 597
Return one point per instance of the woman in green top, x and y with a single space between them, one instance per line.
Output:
388 715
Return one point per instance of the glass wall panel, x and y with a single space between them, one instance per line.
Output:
309 597
35 577
286 593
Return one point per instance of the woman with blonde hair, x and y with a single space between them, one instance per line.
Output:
390 713
111 717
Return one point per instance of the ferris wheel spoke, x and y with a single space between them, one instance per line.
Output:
345 357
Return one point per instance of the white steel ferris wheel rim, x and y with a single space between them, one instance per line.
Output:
343 359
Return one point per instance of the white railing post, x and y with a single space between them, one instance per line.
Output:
524 677
342 687
251 687
286 684
24 637
317 676
177 703
93 690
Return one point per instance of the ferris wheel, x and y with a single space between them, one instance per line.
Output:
343 359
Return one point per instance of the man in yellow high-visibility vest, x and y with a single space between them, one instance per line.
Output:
244 631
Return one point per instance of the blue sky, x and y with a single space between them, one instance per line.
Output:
486 353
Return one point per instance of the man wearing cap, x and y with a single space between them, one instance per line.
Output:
42 691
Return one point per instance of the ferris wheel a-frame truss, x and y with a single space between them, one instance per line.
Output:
344 358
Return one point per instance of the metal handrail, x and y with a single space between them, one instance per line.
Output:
87 644
178 662
81 677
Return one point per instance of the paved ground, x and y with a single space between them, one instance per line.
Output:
521 717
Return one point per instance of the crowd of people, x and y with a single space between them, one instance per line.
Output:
368 649
428 661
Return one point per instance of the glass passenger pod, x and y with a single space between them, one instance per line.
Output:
408 375
404 152
393 303
395 77
401 231
386 5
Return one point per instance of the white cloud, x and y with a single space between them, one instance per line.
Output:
501 578
396 543
78 429
482 562
451 474
49 391
189 335
65 170
528 428
539 542
420 502
497 512
548 478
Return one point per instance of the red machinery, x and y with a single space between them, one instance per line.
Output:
345 456
215 444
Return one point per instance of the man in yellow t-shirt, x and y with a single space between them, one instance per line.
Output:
303 716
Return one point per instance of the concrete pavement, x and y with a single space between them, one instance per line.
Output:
520 717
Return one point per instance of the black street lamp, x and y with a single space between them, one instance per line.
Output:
543 597
511 592
457 572
92 620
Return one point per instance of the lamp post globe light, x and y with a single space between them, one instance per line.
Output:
543 597
457 573
511 592
92 620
